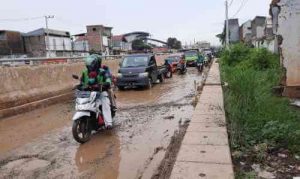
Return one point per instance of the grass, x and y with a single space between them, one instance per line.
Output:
256 116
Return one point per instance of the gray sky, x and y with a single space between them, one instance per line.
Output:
184 19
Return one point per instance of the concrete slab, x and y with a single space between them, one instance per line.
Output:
207 108
206 127
190 170
204 154
218 118
205 138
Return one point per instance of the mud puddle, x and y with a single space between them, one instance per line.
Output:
134 149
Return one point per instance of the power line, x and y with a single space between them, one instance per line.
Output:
244 2
22 19
231 3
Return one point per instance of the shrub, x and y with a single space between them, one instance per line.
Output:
255 115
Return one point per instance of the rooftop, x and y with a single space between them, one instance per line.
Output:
43 31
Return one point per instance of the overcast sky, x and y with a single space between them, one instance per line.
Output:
185 19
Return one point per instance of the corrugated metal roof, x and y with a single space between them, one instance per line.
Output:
43 31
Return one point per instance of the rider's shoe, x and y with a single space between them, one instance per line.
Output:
109 127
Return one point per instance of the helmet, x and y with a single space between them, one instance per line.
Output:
93 62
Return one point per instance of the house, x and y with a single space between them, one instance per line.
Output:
99 38
120 44
286 27
80 44
246 32
11 43
258 25
47 43
124 42
234 30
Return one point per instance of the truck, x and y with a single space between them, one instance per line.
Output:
139 70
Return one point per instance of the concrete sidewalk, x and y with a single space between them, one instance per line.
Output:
205 152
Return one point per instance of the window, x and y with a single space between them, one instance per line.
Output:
2 36
152 61
54 44
94 29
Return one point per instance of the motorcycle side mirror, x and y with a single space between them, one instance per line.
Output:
75 77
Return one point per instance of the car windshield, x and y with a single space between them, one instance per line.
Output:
173 59
135 61
190 54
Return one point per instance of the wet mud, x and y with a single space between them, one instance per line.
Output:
39 144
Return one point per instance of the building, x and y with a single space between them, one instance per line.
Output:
120 44
234 30
47 43
123 43
80 44
246 32
258 26
202 45
99 38
286 27
11 43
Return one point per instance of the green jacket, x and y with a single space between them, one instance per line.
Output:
200 58
101 78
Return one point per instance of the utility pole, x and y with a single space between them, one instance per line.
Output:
47 32
227 24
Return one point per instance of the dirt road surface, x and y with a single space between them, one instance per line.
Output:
39 144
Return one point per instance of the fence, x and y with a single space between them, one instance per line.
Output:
44 60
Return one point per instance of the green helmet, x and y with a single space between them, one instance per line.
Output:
93 62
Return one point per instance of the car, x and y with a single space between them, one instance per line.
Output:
139 70
191 57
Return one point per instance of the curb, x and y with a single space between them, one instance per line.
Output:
205 151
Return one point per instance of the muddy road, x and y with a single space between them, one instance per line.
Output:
39 144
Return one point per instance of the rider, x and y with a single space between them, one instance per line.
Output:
200 58
111 94
95 75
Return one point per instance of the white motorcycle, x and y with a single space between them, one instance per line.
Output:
88 116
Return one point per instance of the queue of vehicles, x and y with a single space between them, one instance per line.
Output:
136 70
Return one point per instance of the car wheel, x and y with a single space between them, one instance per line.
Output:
121 88
149 85
161 78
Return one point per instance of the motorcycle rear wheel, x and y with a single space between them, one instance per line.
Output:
81 130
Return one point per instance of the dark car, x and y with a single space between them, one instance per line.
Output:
139 70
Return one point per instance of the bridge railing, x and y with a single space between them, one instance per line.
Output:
47 60
51 60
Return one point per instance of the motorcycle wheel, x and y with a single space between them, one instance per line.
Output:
81 130
169 74
161 78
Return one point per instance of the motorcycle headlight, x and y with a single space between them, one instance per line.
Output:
119 75
143 74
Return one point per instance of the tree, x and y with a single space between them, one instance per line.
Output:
222 36
174 43
139 45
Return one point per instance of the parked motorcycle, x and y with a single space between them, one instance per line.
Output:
181 67
88 116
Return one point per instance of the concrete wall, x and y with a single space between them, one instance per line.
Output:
289 29
30 84
60 43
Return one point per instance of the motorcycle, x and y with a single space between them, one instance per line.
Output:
88 116
199 66
181 67
169 72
